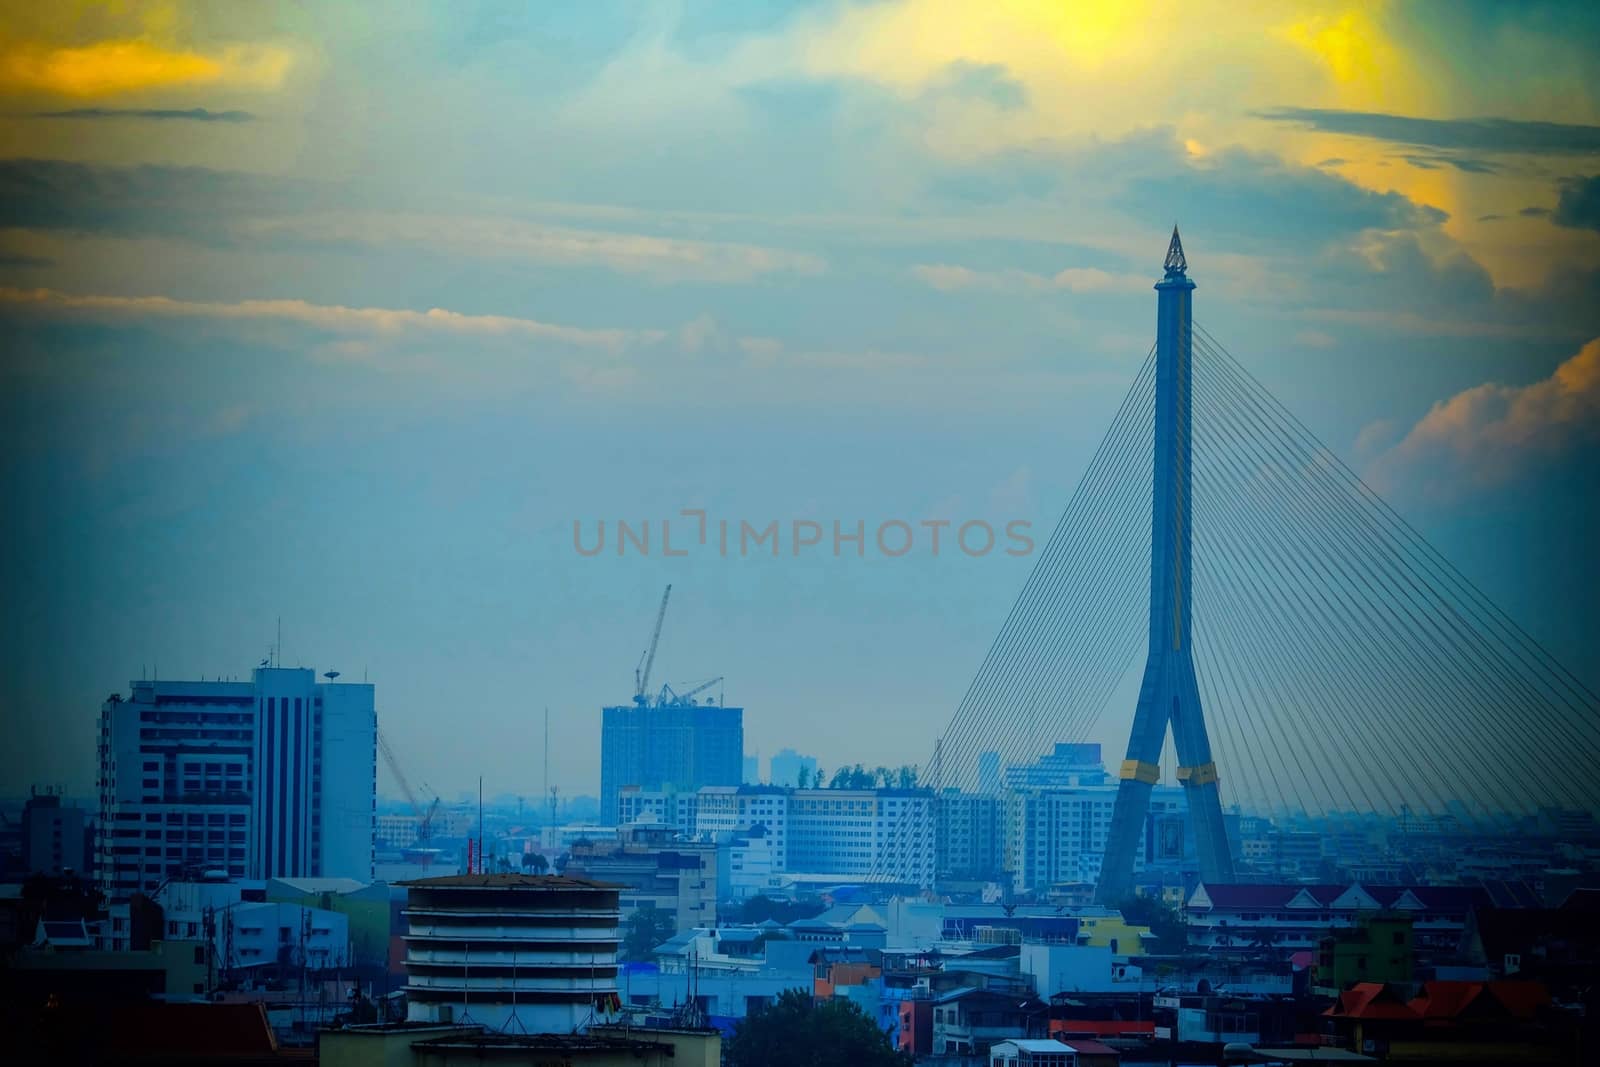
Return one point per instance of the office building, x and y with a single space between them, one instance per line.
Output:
274 777
970 835
860 833
1057 836
654 870
55 836
660 747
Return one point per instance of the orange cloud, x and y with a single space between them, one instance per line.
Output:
107 68
1492 432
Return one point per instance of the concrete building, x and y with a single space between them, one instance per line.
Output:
674 809
274 777
1067 766
535 953
721 812
1058 835
970 835
860 833
659 747
250 937
55 836
653 870
1297 917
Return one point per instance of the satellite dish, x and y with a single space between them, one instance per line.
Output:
330 675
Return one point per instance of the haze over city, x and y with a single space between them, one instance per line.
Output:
309 322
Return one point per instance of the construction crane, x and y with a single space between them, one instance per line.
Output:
670 697
424 818
641 678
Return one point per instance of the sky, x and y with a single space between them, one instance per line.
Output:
343 315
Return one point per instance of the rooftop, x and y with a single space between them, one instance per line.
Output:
507 881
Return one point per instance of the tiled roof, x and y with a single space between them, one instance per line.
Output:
1370 1000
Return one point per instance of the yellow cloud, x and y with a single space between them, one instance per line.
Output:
106 68
1367 67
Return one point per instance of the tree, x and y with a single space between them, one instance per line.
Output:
535 863
647 928
805 778
908 776
1171 932
798 1032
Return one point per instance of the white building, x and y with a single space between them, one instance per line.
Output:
886 834
722 811
1058 835
533 953
266 778
247 933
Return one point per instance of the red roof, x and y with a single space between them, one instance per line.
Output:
1370 1000
1452 1000
1091 1048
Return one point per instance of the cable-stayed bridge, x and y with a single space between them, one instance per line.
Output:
1307 648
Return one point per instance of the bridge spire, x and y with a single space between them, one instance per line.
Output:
1170 694
1175 263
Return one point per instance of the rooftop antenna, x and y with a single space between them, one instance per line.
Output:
278 650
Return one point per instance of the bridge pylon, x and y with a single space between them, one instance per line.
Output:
1169 694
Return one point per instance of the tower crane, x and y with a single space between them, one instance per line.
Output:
424 818
670 696
642 678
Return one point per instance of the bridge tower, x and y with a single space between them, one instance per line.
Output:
1169 693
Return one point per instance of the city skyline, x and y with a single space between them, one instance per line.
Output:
260 369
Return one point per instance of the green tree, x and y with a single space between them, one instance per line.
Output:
646 928
1165 922
798 1032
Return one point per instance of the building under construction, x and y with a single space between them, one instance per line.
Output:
668 740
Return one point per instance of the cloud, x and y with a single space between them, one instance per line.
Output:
195 202
1503 136
111 67
1433 161
226 207
376 323
193 114
1262 200
663 257
1492 433
1579 206
948 278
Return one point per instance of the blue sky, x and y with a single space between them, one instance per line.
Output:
346 316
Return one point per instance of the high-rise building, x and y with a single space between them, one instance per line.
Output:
989 772
271 778
54 836
668 747
862 833
970 837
